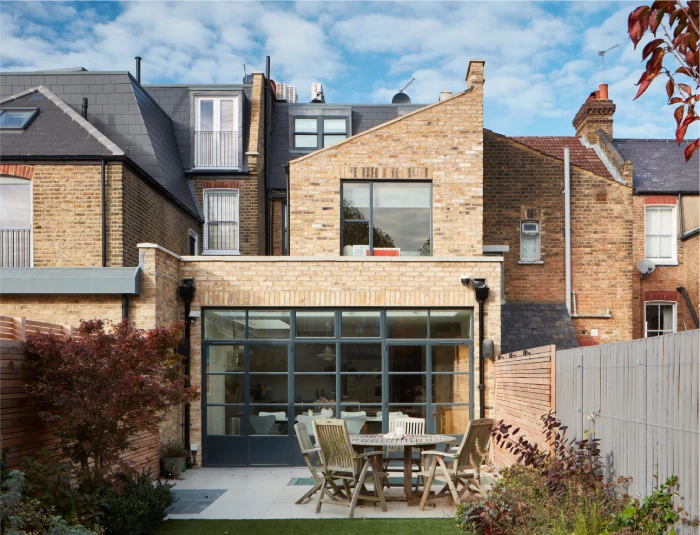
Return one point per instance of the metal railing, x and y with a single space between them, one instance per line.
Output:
216 149
221 236
15 247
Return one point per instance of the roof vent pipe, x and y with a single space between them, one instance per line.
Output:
444 95
138 69
83 112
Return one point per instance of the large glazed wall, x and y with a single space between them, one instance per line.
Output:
442 143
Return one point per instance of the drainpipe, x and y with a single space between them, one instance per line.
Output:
689 304
104 215
482 294
186 292
567 225
266 163
125 307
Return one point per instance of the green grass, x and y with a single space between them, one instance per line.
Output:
357 526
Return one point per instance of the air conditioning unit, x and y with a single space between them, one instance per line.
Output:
317 93
291 94
281 91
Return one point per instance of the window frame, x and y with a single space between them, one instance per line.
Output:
196 99
27 122
371 209
207 250
320 130
674 306
21 181
193 234
673 261
538 259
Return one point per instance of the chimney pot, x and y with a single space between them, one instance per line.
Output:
138 68
444 95
603 91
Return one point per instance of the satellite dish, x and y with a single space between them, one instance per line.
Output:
646 267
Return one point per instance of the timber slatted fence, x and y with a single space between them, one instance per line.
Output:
21 429
642 400
524 392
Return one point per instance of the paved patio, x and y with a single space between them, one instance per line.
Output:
267 493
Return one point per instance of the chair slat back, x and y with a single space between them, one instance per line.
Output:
478 433
303 436
333 439
411 426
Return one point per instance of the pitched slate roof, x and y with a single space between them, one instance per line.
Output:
581 156
524 326
57 130
126 114
659 166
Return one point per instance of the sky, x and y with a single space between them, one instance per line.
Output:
541 57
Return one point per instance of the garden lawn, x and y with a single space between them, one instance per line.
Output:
357 526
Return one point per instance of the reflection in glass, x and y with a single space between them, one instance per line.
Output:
450 358
451 388
450 323
315 324
225 389
332 140
355 239
225 420
451 420
305 125
416 411
361 388
334 126
268 420
268 324
361 419
361 357
407 323
224 324
268 358
305 141
268 388
314 388
314 357
407 389
360 323
225 359
407 358
402 217
356 201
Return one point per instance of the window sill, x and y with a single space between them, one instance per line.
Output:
531 263
212 252
664 262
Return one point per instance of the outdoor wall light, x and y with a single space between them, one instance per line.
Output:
195 315
465 280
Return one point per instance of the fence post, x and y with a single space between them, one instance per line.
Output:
21 328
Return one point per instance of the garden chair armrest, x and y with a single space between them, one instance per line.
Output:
368 454
440 453
311 450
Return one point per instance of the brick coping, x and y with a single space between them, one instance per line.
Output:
211 258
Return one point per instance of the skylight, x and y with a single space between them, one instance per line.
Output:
16 118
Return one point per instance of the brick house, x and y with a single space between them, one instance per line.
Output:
360 267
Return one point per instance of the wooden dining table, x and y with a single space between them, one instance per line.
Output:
408 443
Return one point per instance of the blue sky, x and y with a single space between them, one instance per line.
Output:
541 57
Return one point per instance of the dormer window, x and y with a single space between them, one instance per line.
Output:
317 132
16 118
216 136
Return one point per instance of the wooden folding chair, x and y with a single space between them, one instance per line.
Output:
339 461
472 449
411 426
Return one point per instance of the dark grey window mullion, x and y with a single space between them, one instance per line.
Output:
371 219
429 413
291 374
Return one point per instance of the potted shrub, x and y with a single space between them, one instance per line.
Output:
173 455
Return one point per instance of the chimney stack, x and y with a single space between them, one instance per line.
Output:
444 95
595 114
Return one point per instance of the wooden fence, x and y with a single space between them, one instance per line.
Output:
524 392
642 400
21 430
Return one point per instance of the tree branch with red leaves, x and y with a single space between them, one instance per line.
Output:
679 23
103 388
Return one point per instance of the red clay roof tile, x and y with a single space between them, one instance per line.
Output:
581 156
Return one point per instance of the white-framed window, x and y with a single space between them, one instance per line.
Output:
659 318
660 234
530 241
222 218
193 243
216 132
15 222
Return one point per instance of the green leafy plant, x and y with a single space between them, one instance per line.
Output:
137 505
656 513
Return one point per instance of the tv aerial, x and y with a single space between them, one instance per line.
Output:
645 267
602 53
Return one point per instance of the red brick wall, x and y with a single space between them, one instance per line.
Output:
518 179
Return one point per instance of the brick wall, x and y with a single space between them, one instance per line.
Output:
442 143
62 309
518 180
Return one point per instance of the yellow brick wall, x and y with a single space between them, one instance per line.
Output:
442 143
